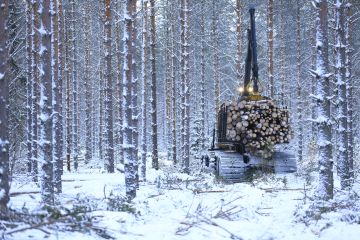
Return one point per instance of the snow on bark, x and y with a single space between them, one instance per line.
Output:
119 87
215 42
29 83
167 86
144 64
313 79
349 88
68 96
270 39
300 103
342 141
46 112
4 98
35 90
173 98
153 99
134 99
202 65
108 128
75 80
87 87
238 42
56 97
185 84
58 109
101 94
130 158
284 99
326 185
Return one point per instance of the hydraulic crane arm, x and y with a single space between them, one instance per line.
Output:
251 58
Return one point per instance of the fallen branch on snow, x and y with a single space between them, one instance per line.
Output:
282 189
209 191
14 194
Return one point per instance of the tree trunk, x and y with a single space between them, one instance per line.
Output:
87 88
270 39
109 150
134 98
185 92
299 85
4 98
129 156
326 181
202 65
46 113
153 101
101 93
29 83
119 87
238 41
68 97
57 97
313 82
349 88
185 85
215 40
36 83
74 85
282 71
144 65
340 48
58 171
62 77
168 132
173 98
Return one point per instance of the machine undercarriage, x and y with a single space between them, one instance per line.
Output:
233 166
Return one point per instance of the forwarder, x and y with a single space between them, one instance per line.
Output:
249 128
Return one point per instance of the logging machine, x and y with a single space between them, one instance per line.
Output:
249 128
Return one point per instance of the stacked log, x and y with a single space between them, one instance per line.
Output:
257 124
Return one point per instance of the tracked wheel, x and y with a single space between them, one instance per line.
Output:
234 167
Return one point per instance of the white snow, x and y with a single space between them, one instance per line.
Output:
321 119
3 144
179 206
42 30
2 193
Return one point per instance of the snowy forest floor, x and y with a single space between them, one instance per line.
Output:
170 205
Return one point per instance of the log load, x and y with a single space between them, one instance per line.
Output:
259 125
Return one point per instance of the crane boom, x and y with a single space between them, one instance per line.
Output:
251 58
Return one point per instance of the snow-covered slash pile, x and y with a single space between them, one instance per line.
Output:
170 205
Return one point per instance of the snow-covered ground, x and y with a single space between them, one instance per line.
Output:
179 206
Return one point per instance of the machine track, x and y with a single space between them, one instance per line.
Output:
230 165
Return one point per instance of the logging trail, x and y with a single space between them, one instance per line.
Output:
179 206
